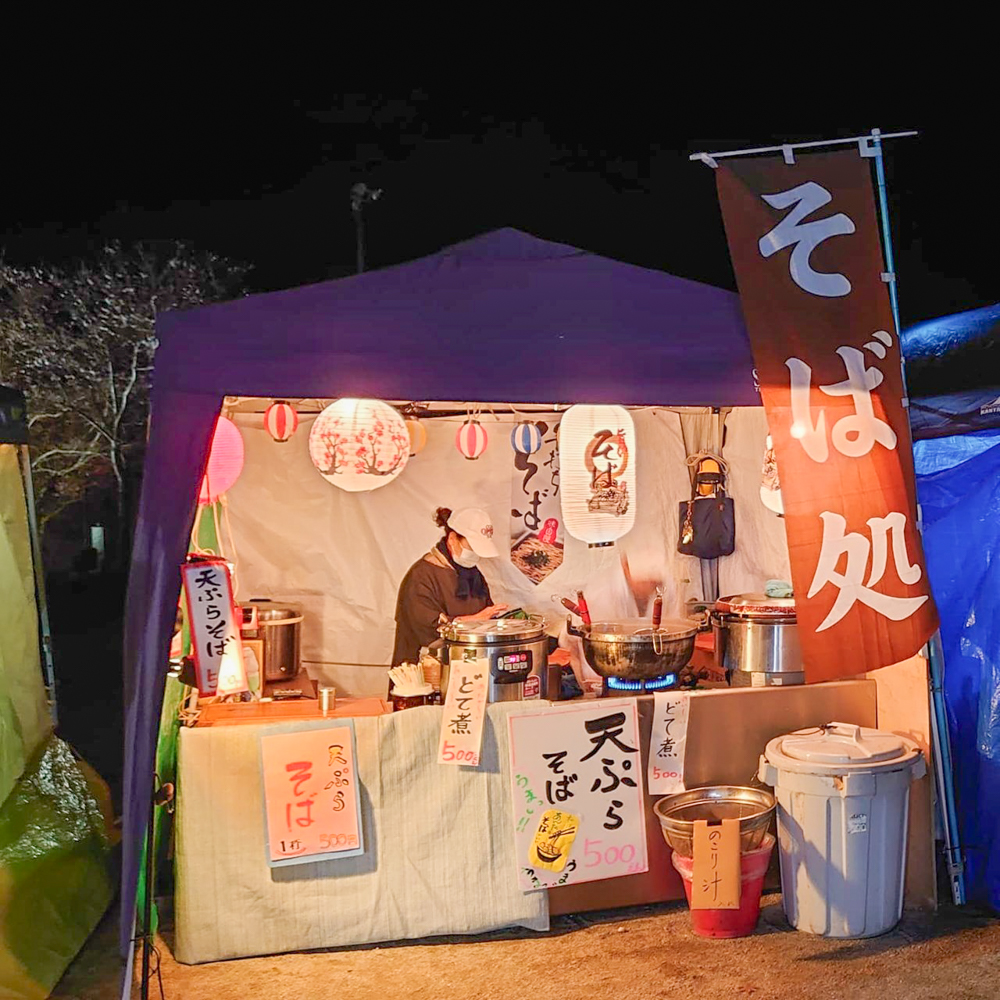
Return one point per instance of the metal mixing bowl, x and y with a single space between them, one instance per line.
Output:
753 807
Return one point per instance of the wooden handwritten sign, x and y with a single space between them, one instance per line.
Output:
576 787
464 711
215 627
312 801
715 883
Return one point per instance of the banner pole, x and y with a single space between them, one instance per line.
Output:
944 778
788 148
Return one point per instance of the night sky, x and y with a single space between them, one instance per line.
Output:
269 185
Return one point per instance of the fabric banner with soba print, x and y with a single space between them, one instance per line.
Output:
805 246
536 527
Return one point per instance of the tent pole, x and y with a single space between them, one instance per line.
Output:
941 742
147 903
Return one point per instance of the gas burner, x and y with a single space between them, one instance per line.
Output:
616 685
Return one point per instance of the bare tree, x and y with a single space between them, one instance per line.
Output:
79 342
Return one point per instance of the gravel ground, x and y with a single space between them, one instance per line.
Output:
645 952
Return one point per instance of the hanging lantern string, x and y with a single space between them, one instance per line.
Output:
234 555
196 548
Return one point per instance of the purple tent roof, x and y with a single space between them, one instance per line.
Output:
522 319
504 317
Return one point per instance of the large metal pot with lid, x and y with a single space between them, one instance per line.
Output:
279 625
515 649
757 640
631 649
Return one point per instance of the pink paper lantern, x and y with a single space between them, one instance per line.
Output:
471 439
280 420
225 461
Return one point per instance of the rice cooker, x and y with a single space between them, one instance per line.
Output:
757 640
514 650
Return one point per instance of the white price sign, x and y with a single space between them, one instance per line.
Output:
667 742
577 789
464 710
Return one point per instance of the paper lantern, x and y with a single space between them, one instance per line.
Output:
770 487
526 438
225 461
471 439
359 444
280 420
418 436
597 473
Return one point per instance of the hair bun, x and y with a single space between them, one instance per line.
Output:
441 516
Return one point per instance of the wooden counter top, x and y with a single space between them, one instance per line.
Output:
295 710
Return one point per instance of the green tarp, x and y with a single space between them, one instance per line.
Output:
24 715
55 869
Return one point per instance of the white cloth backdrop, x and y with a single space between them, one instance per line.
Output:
341 555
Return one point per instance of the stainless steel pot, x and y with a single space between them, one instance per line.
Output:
515 648
757 640
279 628
633 650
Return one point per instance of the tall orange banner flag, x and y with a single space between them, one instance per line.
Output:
804 242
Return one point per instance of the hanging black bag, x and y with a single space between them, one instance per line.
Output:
707 523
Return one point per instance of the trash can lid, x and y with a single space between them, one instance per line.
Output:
842 743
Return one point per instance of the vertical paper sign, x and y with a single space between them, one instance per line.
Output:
536 525
715 880
576 785
668 742
215 627
312 802
804 239
464 711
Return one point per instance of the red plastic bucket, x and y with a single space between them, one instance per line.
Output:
731 923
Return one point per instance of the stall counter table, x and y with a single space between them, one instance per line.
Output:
440 856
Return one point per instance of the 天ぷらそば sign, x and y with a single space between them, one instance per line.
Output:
312 802
576 787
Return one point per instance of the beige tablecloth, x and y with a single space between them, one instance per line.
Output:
439 857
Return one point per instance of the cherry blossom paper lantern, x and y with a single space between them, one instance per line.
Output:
526 438
471 439
225 461
597 473
359 444
418 436
280 420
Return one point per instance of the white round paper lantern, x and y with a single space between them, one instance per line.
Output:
359 444
471 439
597 473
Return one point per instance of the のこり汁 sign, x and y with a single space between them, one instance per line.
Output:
577 793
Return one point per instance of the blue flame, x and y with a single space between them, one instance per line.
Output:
655 684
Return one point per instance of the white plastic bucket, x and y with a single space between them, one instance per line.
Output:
843 797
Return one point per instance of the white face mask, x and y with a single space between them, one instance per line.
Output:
466 558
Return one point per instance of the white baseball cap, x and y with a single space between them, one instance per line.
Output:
475 525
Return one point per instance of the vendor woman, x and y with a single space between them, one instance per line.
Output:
445 582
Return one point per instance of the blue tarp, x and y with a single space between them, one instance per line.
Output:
960 498
956 413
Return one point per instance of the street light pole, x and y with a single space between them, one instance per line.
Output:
361 194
